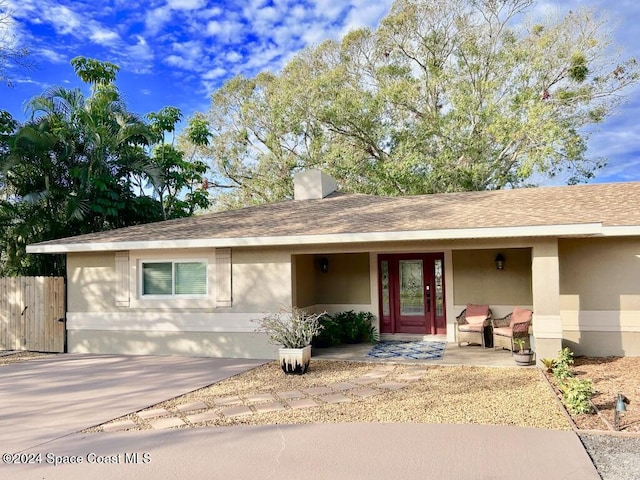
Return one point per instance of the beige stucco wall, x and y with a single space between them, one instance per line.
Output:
346 282
600 295
91 282
197 344
304 288
260 283
476 279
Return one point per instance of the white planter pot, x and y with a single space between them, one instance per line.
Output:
295 361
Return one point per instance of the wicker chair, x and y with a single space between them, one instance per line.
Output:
472 332
514 325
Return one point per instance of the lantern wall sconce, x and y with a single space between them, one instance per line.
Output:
499 262
324 264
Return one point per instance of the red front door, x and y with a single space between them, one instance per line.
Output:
411 290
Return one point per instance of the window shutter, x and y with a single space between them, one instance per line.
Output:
223 277
122 279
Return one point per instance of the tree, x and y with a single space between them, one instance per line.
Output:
11 54
177 183
443 96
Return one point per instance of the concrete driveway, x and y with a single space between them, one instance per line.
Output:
44 403
45 399
315 452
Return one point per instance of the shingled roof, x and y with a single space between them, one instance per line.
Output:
355 217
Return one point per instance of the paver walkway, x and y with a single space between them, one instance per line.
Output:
357 389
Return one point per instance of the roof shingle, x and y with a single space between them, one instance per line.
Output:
612 204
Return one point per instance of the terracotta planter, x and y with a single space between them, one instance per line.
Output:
295 361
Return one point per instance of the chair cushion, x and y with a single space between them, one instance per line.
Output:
469 327
478 320
503 331
520 315
476 311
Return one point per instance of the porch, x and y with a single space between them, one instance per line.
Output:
471 355
422 292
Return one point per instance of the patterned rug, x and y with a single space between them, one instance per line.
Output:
406 349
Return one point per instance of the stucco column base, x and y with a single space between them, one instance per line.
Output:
547 348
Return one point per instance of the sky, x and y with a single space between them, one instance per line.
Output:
177 52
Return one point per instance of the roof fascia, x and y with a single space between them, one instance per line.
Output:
585 229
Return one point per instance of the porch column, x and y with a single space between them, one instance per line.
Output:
545 276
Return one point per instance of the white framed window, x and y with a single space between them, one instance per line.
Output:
173 278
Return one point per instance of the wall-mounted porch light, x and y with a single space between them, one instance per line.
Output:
499 262
324 264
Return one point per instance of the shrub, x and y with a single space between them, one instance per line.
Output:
346 327
292 328
562 368
576 395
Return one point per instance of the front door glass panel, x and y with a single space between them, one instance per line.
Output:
386 299
411 288
439 288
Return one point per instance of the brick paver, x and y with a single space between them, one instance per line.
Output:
269 407
302 403
291 394
335 398
365 392
260 397
342 386
190 407
203 417
363 380
236 411
317 390
119 426
166 422
235 400
156 412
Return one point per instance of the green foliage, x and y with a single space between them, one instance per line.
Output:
563 364
75 165
520 343
291 328
442 96
346 327
549 363
576 395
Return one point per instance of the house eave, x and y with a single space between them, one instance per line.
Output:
573 230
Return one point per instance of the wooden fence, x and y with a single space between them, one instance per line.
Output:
32 311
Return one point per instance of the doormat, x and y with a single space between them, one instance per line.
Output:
391 349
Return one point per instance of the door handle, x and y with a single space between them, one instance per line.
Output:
428 297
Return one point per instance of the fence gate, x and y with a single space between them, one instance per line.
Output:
32 314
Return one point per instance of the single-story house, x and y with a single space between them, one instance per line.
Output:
193 286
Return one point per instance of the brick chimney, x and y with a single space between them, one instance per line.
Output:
312 184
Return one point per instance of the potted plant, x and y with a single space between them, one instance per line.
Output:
292 329
523 356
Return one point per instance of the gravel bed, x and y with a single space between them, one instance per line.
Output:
616 457
433 394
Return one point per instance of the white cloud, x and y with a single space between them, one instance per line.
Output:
216 73
186 4
139 56
103 36
52 56
63 20
156 19
227 30
233 56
